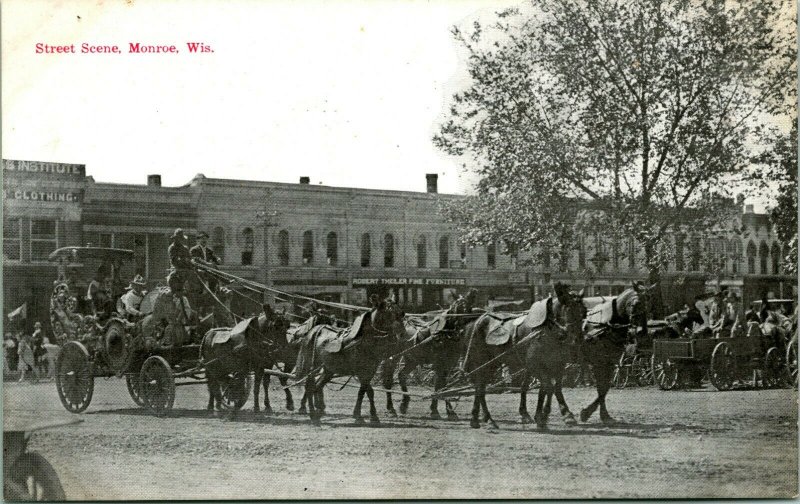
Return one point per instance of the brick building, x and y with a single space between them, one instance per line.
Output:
339 244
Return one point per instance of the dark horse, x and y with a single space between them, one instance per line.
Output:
440 343
356 351
606 333
230 354
531 345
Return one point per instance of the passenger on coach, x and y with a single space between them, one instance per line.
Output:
203 252
733 318
181 262
716 312
130 302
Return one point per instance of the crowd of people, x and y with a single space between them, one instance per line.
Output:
31 355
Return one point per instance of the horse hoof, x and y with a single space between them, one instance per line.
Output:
302 411
391 413
374 420
289 406
570 419
585 414
359 420
256 409
403 409
321 412
435 415
268 411
474 423
526 418
492 426
452 417
607 420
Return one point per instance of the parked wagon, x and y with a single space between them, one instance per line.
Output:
155 354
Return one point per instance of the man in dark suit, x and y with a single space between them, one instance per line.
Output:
202 251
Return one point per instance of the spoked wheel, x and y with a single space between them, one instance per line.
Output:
723 367
32 478
643 370
774 372
665 373
791 361
74 379
134 388
157 385
622 372
235 389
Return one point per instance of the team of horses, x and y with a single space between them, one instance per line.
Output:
466 347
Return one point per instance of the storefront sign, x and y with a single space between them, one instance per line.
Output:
409 281
518 277
58 196
39 169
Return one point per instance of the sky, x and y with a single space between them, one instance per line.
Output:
348 93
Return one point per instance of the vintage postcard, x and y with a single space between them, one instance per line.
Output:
355 249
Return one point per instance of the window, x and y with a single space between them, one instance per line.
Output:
388 251
695 262
679 252
763 255
422 252
444 252
366 250
332 248
12 241
247 249
462 252
722 253
735 250
43 239
631 253
491 255
751 258
283 247
776 259
308 247
218 242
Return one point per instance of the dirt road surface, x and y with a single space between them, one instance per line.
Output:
699 443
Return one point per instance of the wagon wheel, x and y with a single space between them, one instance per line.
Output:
621 372
134 388
235 389
791 361
723 367
644 371
118 347
665 373
33 479
157 384
74 379
774 373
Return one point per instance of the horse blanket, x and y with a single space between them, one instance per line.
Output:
602 313
328 338
236 334
297 333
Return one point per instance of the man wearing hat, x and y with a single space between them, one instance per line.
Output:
717 311
181 262
733 319
202 251
128 305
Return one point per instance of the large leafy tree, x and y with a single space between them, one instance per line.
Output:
627 118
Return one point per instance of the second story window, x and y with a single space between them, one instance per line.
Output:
332 248
388 251
751 258
248 240
12 239
308 247
366 250
218 242
491 256
283 247
43 239
444 252
422 252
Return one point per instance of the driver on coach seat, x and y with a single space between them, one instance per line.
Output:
130 302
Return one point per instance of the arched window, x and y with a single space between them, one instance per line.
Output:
308 247
422 252
631 246
247 249
218 242
763 257
735 253
444 252
366 250
751 258
776 259
388 251
491 255
283 248
679 241
332 248
722 253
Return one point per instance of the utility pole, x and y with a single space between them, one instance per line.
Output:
267 218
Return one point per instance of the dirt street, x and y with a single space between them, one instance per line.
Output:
700 443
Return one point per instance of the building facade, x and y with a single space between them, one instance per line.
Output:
340 244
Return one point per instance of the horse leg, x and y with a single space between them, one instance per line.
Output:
267 406
303 401
474 422
210 384
309 395
566 414
539 417
523 384
357 409
373 413
402 378
439 384
603 386
388 381
258 375
487 416
441 378
289 400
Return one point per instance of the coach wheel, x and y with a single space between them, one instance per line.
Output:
774 373
134 388
643 371
157 385
667 375
235 389
74 379
723 367
622 372
791 361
